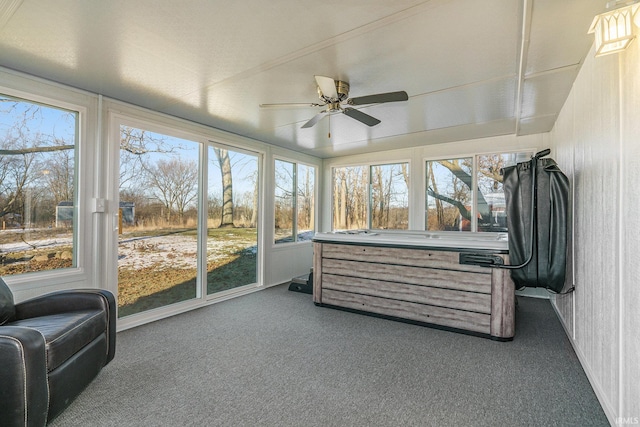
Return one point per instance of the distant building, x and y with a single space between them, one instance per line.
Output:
65 213
11 220
128 212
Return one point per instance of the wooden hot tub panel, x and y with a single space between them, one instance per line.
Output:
418 285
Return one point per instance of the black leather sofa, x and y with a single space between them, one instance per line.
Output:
51 348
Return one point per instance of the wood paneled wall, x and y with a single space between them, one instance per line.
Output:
597 144
630 232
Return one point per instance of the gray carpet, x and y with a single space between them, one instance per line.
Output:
274 359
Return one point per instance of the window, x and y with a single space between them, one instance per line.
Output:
38 198
232 218
158 220
449 195
188 217
294 217
390 196
466 194
374 196
350 198
305 179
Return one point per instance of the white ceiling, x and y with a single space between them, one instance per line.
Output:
472 68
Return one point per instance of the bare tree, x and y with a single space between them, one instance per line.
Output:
340 198
350 197
135 147
305 197
284 193
254 210
26 153
174 183
19 173
462 175
59 172
227 186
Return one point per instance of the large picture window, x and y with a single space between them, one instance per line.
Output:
466 194
188 217
38 198
374 196
294 216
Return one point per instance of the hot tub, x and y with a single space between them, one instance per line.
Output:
418 277
467 242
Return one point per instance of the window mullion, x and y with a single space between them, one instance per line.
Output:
294 221
474 194
370 197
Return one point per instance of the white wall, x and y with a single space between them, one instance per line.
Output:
630 233
595 141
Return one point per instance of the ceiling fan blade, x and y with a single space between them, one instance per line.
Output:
315 119
361 117
379 98
291 105
327 86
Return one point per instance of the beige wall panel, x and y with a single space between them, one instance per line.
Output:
630 233
596 143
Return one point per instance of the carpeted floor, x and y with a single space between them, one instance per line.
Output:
272 358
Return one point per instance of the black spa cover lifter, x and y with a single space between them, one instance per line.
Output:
537 198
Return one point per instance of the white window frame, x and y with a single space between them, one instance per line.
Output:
77 101
124 114
294 230
474 183
368 166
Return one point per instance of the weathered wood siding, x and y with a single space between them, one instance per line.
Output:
427 286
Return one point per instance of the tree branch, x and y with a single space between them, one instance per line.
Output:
461 207
37 150
483 207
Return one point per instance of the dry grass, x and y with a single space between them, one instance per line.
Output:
158 264
230 263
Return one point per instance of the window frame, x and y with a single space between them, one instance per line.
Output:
474 180
294 228
125 114
370 194
83 240
369 190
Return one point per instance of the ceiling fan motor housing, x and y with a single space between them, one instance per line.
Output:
333 93
342 88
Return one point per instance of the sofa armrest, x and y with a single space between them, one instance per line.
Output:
70 300
24 393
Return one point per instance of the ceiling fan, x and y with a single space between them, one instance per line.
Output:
334 94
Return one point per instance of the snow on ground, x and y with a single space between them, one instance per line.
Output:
170 252
62 240
161 252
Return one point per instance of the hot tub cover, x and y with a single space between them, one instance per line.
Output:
548 262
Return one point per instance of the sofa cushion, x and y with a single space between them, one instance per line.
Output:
66 333
7 307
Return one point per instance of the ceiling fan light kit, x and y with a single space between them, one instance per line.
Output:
335 93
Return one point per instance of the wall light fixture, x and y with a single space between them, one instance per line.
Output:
615 30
